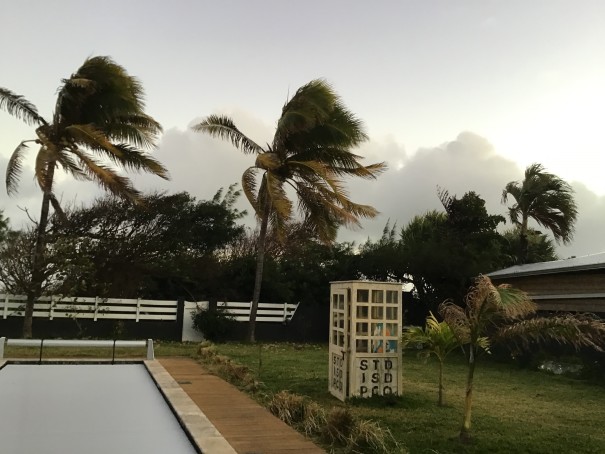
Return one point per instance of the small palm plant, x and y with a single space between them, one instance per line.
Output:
436 338
506 314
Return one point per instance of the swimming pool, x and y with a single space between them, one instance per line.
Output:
98 409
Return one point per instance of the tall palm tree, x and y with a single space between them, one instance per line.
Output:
309 155
545 198
99 114
502 314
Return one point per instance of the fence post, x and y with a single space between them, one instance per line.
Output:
138 309
180 315
5 306
285 312
94 319
2 341
51 308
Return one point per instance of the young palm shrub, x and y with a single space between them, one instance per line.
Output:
436 338
503 313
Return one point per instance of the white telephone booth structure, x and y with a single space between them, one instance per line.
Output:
365 338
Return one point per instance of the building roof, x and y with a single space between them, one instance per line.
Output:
586 262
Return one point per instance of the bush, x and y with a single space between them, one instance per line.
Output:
215 324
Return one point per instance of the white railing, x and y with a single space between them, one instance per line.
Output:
41 343
92 308
266 312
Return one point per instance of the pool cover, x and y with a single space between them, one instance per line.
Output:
85 408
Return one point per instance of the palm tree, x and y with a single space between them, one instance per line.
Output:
501 312
99 113
309 154
437 338
545 198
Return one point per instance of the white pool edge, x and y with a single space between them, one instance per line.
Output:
195 423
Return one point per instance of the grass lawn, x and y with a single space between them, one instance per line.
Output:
514 411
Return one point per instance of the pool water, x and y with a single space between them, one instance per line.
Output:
85 408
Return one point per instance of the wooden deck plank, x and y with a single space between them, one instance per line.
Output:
247 426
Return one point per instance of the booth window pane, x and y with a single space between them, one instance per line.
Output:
361 329
377 329
377 312
377 346
377 296
361 346
334 337
392 297
392 313
334 319
341 322
362 311
335 301
391 346
363 296
391 329
341 301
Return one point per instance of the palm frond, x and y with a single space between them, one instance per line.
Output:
222 127
106 177
575 330
44 159
19 107
141 130
14 168
249 188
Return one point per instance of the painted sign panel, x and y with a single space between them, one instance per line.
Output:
338 375
376 376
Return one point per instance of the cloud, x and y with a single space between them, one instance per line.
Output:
201 165
468 163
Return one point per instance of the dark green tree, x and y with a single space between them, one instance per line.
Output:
165 248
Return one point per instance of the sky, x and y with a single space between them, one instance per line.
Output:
460 95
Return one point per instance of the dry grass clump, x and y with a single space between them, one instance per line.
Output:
224 367
338 427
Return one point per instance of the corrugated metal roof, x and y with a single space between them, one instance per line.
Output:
586 262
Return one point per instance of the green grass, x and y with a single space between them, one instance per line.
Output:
514 411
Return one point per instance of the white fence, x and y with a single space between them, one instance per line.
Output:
92 308
240 311
52 307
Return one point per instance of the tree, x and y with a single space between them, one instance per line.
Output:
443 252
310 154
99 114
504 314
437 338
540 248
545 198
165 248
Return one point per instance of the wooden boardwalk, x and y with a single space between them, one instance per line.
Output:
247 426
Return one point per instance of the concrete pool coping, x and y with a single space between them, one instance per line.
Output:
201 432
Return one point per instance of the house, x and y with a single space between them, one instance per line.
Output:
576 284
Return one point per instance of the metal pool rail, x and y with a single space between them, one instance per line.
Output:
78 343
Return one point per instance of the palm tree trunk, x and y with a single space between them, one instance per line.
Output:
523 242
440 383
35 288
465 432
258 278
